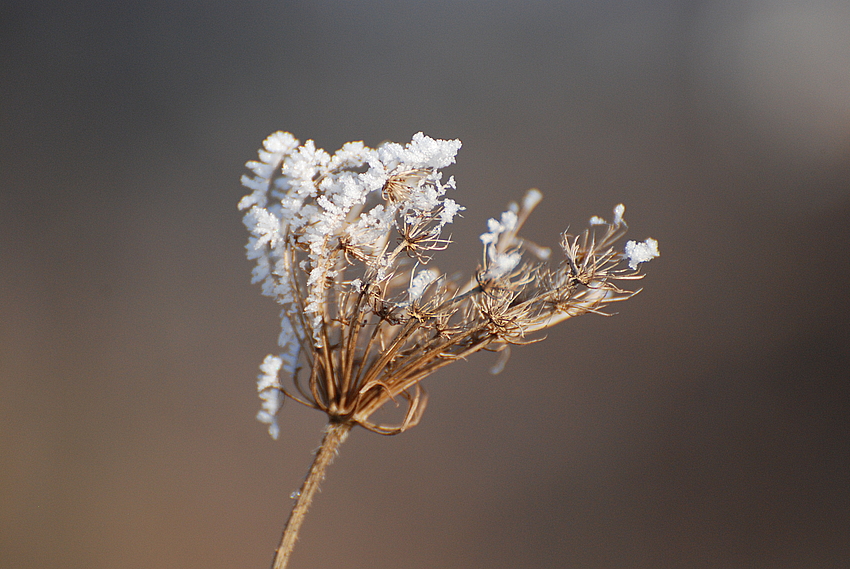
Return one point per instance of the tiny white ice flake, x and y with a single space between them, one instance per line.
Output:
619 210
421 282
641 252
618 214
269 388
508 221
280 142
422 152
496 227
270 368
449 211
503 263
275 147
531 199
263 224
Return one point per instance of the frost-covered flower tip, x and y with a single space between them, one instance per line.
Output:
341 242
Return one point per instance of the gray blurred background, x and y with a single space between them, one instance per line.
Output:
704 426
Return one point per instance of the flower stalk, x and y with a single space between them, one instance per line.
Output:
335 435
344 243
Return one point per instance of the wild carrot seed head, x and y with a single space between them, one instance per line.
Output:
342 242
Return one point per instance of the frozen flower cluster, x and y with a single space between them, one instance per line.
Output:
342 243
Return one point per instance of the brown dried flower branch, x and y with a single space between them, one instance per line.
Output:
364 318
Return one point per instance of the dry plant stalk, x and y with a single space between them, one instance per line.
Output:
343 244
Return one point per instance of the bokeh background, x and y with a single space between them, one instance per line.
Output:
704 426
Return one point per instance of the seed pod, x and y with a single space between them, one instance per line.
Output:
397 188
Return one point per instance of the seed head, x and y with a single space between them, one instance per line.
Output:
342 243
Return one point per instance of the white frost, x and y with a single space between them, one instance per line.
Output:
641 252
421 282
268 385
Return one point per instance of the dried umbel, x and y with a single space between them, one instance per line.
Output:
344 244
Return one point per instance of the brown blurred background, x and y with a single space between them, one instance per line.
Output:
704 426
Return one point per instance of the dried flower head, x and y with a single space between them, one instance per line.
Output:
343 241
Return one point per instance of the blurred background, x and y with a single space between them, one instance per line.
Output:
706 425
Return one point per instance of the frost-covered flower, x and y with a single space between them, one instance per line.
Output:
341 242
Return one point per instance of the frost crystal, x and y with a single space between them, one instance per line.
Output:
271 394
338 242
641 252
420 282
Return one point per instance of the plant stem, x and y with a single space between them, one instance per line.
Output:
335 434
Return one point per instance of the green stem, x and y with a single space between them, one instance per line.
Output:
335 434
